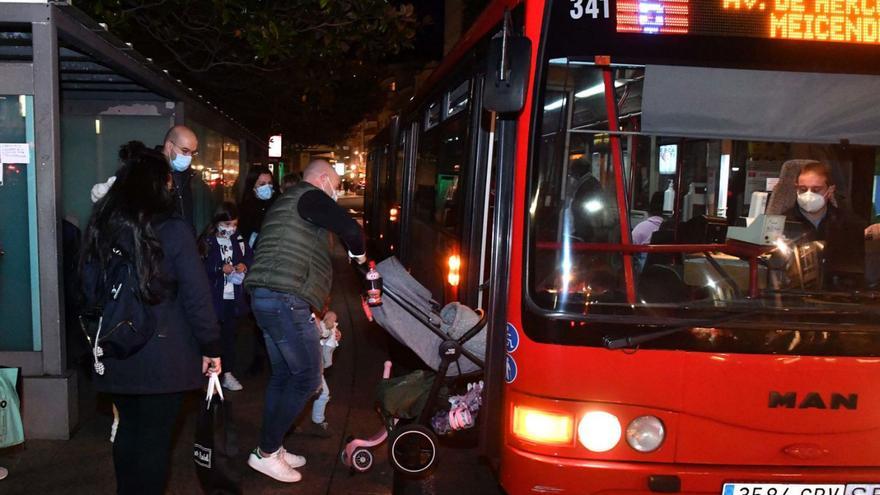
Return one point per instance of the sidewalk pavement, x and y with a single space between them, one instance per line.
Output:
83 464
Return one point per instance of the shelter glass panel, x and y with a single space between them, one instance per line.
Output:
19 265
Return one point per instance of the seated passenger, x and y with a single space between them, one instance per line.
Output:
641 233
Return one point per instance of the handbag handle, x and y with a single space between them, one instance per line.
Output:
213 384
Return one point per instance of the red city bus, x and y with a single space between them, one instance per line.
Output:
674 239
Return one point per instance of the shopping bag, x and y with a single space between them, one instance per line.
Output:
404 397
11 428
215 450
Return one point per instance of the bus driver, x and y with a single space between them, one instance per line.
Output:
816 217
815 208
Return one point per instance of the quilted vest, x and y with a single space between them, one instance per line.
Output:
292 254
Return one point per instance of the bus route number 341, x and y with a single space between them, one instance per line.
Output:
800 489
579 8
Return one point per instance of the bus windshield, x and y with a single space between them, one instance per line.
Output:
681 206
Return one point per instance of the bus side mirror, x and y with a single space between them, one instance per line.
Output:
507 75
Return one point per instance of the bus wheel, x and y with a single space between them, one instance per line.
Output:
413 450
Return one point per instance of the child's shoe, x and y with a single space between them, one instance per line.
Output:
313 429
230 382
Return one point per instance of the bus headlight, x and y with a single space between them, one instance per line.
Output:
645 433
535 425
599 431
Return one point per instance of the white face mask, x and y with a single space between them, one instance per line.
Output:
225 231
333 195
810 202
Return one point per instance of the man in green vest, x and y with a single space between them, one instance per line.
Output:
291 274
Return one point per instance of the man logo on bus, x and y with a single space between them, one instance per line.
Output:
813 400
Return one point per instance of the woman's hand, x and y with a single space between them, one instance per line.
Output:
337 334
228 268
211 365
241 268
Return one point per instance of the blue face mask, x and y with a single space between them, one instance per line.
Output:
264 192
181 162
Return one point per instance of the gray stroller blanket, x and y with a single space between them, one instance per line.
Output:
454 319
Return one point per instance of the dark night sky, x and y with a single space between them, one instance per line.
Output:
429 40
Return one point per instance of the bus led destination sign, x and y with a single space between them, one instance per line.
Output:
845 21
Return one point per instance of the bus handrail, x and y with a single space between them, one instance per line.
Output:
635 248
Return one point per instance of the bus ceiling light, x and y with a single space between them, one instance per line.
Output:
544 427
645 433
593 206
584 93
599 431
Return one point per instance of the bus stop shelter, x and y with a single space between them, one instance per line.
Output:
70 94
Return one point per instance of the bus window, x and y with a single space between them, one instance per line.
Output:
400 167
778 230
432 115
457 99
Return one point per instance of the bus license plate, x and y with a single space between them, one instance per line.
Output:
799 489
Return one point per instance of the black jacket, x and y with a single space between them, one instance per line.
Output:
187 326
251 213
183 196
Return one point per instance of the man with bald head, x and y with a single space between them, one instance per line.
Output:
180 146
289 279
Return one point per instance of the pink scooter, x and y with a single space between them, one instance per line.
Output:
357 454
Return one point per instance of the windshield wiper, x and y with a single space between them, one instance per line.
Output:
635 340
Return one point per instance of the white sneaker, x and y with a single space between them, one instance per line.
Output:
293 460
274 466
231 383
3 472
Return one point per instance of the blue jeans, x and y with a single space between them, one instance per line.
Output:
320 404
294 349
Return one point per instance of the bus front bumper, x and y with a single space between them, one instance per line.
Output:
527 473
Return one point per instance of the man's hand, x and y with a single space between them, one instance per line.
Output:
872 233
360 259
211 365
228 268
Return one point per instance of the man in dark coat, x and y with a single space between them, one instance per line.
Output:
179 147
815 217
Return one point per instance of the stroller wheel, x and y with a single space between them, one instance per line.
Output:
362 460
413 450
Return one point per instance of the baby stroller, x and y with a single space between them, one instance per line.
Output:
452 344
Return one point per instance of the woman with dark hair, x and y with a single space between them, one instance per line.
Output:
227 257
136 218
290 180
259 194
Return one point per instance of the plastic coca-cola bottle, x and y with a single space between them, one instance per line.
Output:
374 286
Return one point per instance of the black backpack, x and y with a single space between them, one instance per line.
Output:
116 322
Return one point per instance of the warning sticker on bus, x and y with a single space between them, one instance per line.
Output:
800 489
